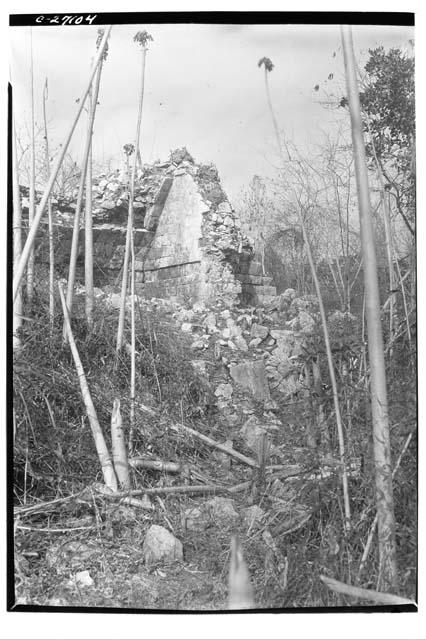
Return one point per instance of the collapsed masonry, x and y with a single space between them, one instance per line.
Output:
188 238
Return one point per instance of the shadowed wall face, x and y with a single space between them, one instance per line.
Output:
172 266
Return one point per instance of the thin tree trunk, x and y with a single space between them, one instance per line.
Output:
50 217
32 232
101 446
76 229
129 233
379 403
88 236
274 120
17 241
339 424
31 206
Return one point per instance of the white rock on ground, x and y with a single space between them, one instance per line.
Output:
161 546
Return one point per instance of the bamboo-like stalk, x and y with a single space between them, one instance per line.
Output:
240 588
374 523
17 240
31 205
144 38
100 444
379 401
388 234
50 216
32 232
363 594
76 229
118 443
88 233
345 486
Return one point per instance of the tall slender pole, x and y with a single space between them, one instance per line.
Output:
379 402
17 240
120 329
31 206
50 216
339 424
76 230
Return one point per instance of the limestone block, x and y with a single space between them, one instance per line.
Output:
161 546
222 511
251 375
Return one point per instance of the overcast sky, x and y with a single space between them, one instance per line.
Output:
203 88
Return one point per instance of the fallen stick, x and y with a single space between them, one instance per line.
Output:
231 452
195 488
98 436
363 594
155 465
42 506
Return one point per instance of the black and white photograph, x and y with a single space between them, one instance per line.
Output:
212 400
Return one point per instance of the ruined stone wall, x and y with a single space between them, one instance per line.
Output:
187 236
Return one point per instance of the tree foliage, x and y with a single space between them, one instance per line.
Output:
389 102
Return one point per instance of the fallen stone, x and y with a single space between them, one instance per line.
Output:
225 314
194 519
114 300
255 342
252 433
251 375
222 511
210 322
240 343
224 207
186 327
224 391
84 579
161 546
259 331
200 367
198 344
252 516
306 322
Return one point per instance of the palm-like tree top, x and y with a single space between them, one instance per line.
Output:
267 62
143 38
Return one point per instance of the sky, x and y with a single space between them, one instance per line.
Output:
203 88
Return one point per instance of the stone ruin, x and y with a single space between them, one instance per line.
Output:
188 239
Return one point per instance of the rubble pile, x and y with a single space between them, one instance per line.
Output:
250 356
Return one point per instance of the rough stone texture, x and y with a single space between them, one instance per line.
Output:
194 519
173 259
252 433
222 511
251 375
188 239
252 516
161 546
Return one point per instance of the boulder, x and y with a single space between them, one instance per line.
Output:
240 343
224 391
252 516
161 546
252 433
259 331
251 375
194 519
222 511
